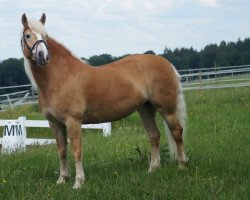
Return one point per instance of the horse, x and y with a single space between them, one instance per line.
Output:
72 93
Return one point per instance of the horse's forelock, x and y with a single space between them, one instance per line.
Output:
37 26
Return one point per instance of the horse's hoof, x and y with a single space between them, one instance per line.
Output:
79 183
77 186
154 165
153 168
182 166
61 180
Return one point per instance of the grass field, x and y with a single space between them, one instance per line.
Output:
218 145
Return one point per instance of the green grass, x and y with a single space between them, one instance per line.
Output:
218 139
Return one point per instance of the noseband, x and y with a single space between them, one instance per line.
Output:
34 45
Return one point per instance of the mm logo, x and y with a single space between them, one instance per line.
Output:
13 130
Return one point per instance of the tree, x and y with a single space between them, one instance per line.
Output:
100 60
12 73
150 52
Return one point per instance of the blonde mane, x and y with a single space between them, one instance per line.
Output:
29 74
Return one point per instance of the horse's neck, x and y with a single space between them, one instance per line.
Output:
59 52
60 64
58 49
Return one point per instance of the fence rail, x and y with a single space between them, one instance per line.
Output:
184 71
217 86
211 78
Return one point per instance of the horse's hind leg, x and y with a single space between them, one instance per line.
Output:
147 113
176 139
61 140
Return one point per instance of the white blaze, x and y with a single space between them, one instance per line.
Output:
41 46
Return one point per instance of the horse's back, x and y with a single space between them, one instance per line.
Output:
141 66
141 60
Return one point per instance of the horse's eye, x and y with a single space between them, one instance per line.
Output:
27 36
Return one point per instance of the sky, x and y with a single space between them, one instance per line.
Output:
119 27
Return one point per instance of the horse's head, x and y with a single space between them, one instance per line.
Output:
34 40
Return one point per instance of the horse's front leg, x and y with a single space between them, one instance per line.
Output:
59 132
74 132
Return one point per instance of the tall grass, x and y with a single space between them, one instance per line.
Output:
217 142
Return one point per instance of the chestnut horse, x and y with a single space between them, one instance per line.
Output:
72 92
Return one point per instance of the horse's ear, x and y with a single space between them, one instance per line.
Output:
24 21
43 19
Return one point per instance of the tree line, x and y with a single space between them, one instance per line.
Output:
225 54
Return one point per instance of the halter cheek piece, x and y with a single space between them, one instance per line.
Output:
34 45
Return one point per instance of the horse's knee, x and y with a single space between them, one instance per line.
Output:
177 133
154 139
77 153
63 153
175 128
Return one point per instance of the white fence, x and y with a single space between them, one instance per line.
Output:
218 77
15 136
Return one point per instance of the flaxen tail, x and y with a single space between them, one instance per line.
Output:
181 117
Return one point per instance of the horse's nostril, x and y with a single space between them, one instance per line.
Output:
41 58
40 54
47 58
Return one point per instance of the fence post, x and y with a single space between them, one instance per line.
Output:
200 77
14 135
106 129
33 95
190 77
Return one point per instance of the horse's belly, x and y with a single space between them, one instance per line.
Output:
112 111
100 117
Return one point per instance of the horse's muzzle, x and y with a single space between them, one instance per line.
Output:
42 59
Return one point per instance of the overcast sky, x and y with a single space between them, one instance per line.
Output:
118 27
